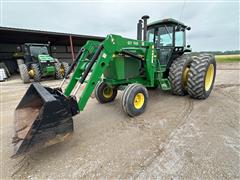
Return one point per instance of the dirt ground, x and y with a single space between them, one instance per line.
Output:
177 137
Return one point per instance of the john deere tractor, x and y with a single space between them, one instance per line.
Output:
34 62
158 58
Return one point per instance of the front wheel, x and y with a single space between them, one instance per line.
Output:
66 67
134 99
105 93
35 72
61 70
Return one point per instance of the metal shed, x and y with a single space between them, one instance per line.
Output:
63 46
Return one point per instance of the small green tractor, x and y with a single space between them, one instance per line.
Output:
158 58
34 62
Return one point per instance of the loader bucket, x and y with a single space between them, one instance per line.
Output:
42 118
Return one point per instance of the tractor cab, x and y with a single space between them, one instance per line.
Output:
36 49
169 37
34 52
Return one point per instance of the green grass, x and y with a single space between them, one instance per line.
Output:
228 58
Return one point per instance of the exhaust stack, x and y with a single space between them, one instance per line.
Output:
144 18
139 30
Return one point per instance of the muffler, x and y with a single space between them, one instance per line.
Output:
42 118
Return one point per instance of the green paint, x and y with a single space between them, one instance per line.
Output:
45 58
118 69
50 70
38 54
228 58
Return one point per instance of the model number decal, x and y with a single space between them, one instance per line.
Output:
132 43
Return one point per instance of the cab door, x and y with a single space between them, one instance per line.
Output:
165 44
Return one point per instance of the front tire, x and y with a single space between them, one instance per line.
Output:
202 76
135 99
61 70
37 72
66 67
105 93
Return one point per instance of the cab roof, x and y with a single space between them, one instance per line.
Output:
166 21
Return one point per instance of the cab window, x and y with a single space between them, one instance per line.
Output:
150 35
179 38
165 35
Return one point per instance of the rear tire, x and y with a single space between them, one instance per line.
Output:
178 74
24 73
202 76
37 72
104 93
135 99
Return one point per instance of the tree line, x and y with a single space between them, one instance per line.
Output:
221 52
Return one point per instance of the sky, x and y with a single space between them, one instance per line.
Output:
214 25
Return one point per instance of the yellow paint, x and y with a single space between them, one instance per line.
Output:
107 92
185 76
138 100
209 77
62 71
31 73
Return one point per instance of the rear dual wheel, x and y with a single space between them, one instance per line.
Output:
193 75
201 76
178 74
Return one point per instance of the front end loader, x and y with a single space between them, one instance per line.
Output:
158 58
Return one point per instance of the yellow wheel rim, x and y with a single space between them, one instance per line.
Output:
185 76
138 100
62 70
107 92
209 77
31 73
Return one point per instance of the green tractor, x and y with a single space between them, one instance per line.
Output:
34 62
158 58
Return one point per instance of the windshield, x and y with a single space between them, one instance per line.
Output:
38 50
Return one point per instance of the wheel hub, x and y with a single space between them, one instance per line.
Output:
185 76
31 73
62 71
209 77
138 100
107 92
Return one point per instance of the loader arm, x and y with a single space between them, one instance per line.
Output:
113 44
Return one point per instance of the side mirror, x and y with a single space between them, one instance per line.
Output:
188 46
188 28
